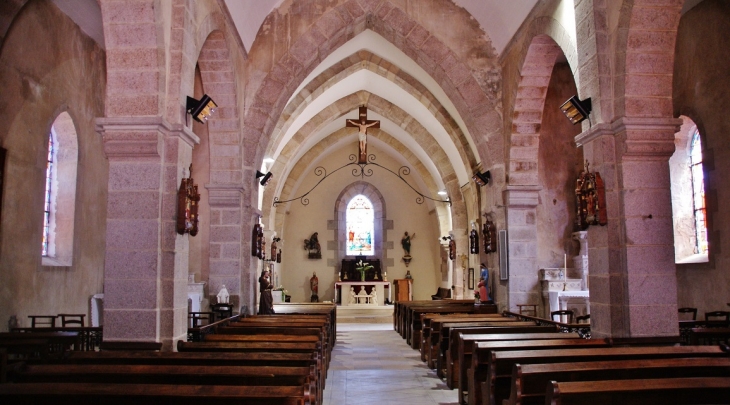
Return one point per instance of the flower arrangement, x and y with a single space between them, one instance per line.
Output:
362 268
476 295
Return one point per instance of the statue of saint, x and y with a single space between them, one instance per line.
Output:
406 243
314 286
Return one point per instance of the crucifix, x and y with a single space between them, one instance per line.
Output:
363 124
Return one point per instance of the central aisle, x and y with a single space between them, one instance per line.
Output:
372 364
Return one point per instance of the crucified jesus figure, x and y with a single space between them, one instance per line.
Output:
362 135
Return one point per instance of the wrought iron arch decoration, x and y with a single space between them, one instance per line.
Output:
362 170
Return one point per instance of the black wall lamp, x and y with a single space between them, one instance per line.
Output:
201 109
576 110
482 179
266 177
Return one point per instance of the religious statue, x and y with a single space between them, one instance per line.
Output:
484 282
314 286
223 295
374 297
473 240
351 299
312 245
278 256
362 135
363 124
406 243
266 300
273 248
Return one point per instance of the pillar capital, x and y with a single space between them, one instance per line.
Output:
139 137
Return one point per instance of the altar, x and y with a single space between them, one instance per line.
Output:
342 292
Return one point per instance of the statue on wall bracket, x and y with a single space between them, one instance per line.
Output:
406 243
490 235
590 196
187 205
313 247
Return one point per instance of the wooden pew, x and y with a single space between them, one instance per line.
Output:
257 359
481 371
150 394
165 374
401 311
703 390
431 325
56 343
444 338
529 380
312 308
465 340
268 322
413 317
496 385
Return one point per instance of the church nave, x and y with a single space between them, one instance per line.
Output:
371 364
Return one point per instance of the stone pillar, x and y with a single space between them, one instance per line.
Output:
580 262
227 236
146 266
462 252
632 270
523 285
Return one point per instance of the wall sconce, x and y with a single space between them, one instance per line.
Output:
482 179
201 109
266 177
576 110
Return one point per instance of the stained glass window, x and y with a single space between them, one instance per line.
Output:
360 218
49 188
698 193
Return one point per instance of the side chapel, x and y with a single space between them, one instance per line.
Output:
361 121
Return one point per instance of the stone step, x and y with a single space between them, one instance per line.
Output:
365 314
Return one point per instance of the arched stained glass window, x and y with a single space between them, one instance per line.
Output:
50 194
698 192
360 219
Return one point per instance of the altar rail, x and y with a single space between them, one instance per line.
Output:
89 337
582 329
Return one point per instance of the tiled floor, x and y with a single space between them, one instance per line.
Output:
372 364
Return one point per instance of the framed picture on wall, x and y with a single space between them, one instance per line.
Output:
470 278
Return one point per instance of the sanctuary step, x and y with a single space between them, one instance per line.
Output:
365 314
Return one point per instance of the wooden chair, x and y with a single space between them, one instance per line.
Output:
72 320
688 310
560 313
717 314
47 321
583 319
441 294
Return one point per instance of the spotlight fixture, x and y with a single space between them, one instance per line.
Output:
482 179
576 110
201 109
443 193
266 177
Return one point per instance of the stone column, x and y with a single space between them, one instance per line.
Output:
462 250
146 266
580 262
523 284
632 270
227 236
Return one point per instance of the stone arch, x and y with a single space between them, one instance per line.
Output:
333 29
529 103
647 34
381 222
387 109
365 60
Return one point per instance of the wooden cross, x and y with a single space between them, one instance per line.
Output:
363 124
